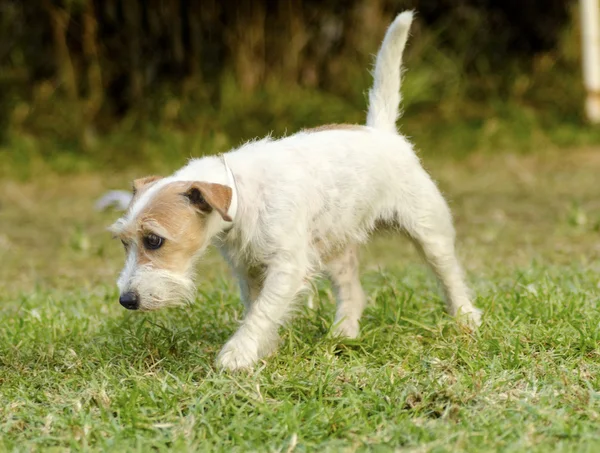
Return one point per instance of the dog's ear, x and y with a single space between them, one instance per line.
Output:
206 196
139 184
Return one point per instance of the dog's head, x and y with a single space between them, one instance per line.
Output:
165 229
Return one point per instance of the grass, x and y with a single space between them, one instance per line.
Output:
79 373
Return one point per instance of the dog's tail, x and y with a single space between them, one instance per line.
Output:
384 96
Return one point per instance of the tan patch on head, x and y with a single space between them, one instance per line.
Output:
141 185
180 219
170 215
333 127
121 228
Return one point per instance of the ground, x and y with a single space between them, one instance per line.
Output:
79 372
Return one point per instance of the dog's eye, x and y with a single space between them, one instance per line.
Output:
152 241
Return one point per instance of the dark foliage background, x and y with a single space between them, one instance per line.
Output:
73 71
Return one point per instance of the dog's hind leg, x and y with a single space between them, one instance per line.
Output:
250 282
350 297
433 234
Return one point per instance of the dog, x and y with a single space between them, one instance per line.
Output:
283 211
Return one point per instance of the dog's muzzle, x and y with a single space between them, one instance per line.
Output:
130 300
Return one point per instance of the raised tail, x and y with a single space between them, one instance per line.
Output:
384 96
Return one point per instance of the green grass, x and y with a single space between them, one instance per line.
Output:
79 373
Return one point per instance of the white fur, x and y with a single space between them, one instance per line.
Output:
385 95
158 288
305 202
128 271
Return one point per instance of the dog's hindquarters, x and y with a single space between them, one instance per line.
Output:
428 222
384 96
423 214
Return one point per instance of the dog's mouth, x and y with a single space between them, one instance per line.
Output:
158 289
155 303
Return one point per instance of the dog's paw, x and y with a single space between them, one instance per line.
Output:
346 328
471 317
238 353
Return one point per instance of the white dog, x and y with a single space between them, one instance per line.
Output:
281 211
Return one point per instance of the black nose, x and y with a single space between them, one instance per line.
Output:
130 300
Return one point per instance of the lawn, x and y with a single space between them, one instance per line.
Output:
77 372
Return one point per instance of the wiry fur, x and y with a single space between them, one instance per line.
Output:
385 95
304 203
160 288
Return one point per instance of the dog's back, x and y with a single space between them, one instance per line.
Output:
337 182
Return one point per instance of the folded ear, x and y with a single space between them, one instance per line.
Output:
139 184
206 196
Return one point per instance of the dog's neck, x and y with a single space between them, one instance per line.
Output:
213 169
233 205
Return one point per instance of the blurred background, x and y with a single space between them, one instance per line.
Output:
96 93
109 83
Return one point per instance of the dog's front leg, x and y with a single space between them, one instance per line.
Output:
258 334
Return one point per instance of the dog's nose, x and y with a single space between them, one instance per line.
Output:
130 300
